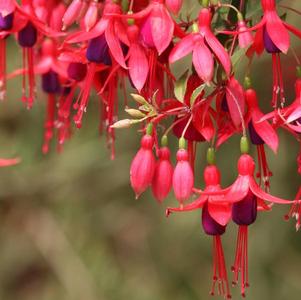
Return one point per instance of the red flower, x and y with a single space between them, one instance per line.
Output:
111 27
272 31
261 132
203 44
216 213
157 25
247 197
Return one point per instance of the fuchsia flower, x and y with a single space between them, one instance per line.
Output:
204 46
247 197
216 213
261 132
112 47
110 28
157 27
143 165
272 32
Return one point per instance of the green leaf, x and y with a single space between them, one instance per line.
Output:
237 56
196 93
180 86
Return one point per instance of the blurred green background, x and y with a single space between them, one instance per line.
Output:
70 228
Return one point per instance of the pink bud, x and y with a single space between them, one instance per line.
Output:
245 38
182 179
72 12
91 15
143 166
174 5
162 180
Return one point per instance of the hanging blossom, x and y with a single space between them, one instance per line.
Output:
89 50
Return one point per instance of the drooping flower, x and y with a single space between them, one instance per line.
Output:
110 29
261 132
204 46
247 197
216 213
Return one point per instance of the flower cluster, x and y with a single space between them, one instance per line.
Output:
113 46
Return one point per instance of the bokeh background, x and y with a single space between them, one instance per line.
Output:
70 228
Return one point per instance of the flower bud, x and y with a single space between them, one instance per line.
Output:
143 166
162 180
71 13
245 38
183 178
91 15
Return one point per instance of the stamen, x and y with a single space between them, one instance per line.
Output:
83 98
240 266
49 122
220 277
264 172
2 68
